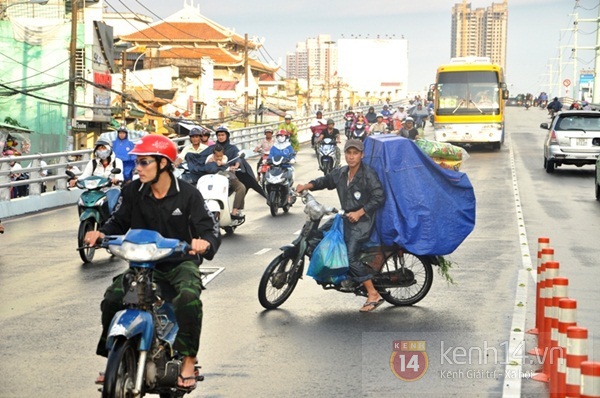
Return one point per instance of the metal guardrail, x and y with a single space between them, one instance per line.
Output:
58 194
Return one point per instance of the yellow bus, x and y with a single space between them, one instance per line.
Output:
468 97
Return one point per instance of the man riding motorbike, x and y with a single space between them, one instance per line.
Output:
195 146
334 134
554 107
360 193
317 125
379 127
175 209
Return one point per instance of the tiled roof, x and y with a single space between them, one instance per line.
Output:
220 85
186 32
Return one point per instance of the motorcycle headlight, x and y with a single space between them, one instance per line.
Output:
91 183
274 179
139 252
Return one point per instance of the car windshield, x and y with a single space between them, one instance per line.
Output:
579 122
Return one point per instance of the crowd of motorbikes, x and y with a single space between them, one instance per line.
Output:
141 337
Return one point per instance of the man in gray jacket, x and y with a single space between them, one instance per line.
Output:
360 193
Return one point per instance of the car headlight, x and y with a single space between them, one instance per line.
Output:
139 252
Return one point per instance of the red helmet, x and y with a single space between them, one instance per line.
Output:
155 144
283 132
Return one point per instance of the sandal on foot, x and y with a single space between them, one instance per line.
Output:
100 379
371 305
183 379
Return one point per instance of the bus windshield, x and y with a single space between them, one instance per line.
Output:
468 93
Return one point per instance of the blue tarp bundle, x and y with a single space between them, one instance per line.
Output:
428 210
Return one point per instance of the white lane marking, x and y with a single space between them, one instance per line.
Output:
262 251
513 371
210 273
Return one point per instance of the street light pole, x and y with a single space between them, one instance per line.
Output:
328 73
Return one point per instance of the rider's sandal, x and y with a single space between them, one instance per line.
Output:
371 305
100 379
190 388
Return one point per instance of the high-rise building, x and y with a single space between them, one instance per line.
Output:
480 32
317 55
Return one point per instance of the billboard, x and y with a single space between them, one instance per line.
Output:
374 64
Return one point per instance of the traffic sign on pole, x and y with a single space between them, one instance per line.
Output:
566 82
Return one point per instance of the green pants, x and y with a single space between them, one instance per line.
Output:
186 282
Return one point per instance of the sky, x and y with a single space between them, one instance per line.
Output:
537 29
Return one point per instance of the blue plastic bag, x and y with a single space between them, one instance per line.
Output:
329 261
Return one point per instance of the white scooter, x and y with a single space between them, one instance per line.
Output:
215 191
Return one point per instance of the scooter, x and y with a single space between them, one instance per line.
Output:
402 278
326 155
141 358
279 182
93 209
215 191
359 132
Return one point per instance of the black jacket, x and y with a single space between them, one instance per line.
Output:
182 214
365 191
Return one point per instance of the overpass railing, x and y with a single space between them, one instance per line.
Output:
52 174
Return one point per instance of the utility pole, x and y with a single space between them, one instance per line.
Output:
596 93
123 84
596 48
246 80
71 138
308 93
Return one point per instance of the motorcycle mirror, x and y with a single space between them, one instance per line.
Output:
70 173
242 155
115 171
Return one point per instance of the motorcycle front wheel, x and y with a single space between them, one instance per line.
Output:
407 278
278 282
119 377
273 203
87 254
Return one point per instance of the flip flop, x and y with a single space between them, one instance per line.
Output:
100 379
371 305
189 388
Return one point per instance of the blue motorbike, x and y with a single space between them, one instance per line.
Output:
94 206
140 341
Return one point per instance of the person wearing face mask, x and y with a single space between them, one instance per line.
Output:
283 147
103 163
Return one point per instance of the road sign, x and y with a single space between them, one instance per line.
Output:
566 82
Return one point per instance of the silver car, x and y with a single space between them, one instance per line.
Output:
573 138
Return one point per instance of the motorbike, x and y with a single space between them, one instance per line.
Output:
359 132
402 278
215 191
93 209
348 121
279 185
141 358
326 155
262 168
